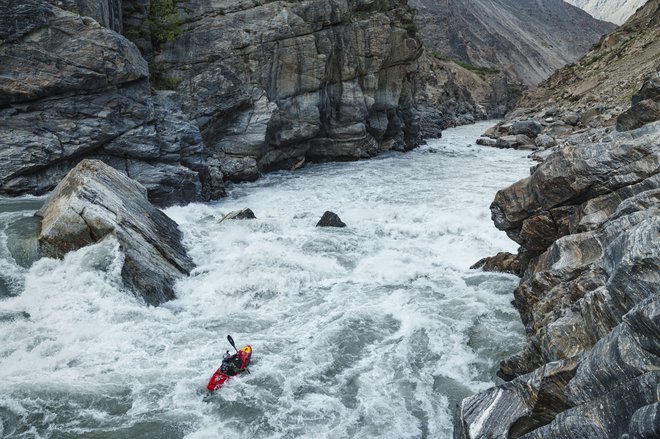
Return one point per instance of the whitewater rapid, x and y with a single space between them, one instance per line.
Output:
375 330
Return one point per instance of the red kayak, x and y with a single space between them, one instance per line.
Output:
235 366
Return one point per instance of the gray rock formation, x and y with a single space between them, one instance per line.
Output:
588 222
529 39
95 201
449 94
645 106
276 83
242 214
76 90
270 85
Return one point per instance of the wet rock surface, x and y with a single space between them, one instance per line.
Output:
95 201
588 222
330 219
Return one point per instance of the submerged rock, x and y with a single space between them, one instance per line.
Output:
330 219
94 201
242 214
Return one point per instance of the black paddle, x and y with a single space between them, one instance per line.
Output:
231 342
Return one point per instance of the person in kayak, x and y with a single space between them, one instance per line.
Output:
231 364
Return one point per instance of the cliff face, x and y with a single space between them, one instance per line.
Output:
615 11
588 224
256 86
528 39
275 83
449 94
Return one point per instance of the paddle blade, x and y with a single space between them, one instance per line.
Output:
231 342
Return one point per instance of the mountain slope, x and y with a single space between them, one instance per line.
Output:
527 38
615 11
611 72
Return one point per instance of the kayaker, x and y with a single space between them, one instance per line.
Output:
231 364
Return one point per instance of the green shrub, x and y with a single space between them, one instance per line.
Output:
164 22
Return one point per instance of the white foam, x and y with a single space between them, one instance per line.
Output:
350 327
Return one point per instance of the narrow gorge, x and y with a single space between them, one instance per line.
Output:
166 167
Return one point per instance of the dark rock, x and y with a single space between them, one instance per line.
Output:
545 141
559 130
571 118
242 214
645 106
95 201
519 141
530 128
330 219
503 262
91 99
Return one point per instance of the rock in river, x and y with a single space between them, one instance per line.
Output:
95 201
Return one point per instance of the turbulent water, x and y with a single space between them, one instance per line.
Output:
375 330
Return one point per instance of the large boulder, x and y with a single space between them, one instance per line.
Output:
645 106
95 201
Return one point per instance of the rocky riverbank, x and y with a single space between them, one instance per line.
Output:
588 224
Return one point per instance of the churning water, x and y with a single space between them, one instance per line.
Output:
371 331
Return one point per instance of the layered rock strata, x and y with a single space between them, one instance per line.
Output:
72 88
274 83
256 87
95 201
588 222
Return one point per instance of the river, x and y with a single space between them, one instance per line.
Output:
375 330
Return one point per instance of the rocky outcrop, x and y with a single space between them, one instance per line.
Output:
615 11
257 87
95 201
588 222
503 262
75 89
528 39
242 214
645 106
